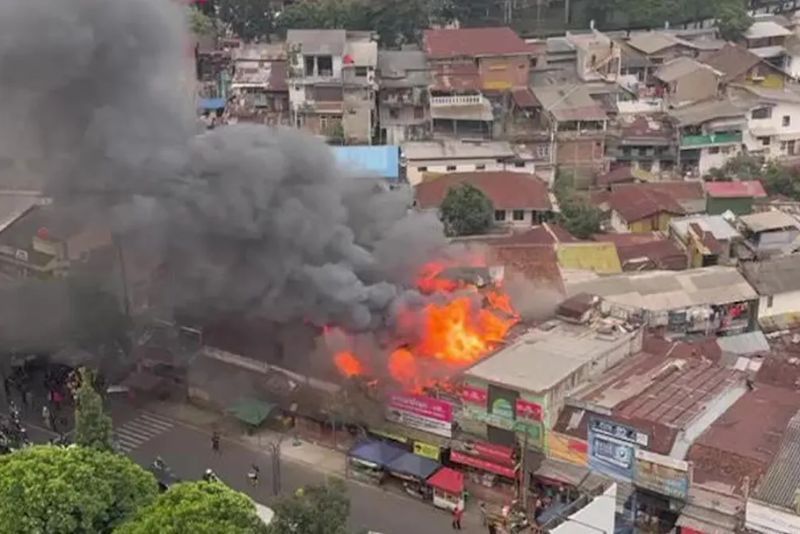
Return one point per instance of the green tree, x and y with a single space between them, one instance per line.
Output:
57 490
92 425
732 19
197 508
313 510
200 23
466 210
577 216
252 20
743 166
782 180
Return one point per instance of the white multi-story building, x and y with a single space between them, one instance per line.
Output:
773 121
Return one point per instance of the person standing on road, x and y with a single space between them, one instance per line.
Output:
253 475
457 513
482 507
215 443
48 421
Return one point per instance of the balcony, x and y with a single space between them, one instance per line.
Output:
457 100
698 141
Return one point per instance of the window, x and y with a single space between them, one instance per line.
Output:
480 167
325 65
519 164
422 169
361 72
727 149
394 113
761 113
309 60
787 120
323 123
499 215
763 140
770 301
419 112
713 150
518 215
451 168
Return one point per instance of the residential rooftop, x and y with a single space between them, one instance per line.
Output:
330 42
473 42
766 221
652 42
506 189
570 102
744 189
782 480
670 290
452 149
719 227
774 276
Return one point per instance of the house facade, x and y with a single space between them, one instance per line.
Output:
403 98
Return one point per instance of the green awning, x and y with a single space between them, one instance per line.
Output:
251 411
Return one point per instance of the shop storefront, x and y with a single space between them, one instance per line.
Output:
368 461
486 464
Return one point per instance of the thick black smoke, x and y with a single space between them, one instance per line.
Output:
98 107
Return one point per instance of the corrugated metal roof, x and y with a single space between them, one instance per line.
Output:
670 290
716 224
774 276
769 220
318 41
601 258
382 161
744 344
765 28
782 479
452 150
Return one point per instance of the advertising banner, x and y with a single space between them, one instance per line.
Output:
427 450
529 410
567 449
612 448
421 412
471 395
662 474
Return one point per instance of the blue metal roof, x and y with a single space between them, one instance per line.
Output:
382 160
211 103
377 452
411 464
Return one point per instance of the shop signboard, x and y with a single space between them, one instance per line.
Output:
612 448
427 450
421 412
531 411
494 453
473 395
661 474
567 449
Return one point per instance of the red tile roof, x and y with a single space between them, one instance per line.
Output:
524 98
752 188
455 77
744 440
473 42
626 240
536 263
636 203
507 190
681 191
545 234
620 175
661 254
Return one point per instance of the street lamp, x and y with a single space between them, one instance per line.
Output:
274 448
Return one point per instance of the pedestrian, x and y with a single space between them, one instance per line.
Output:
253 475
47 418
482 507
27 398
215 443
492 528
457 513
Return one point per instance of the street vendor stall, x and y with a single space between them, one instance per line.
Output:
448 488
413 470
367 461
252 412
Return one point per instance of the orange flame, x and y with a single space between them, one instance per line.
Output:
403 366
429 281
348 364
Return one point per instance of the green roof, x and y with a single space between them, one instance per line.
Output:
251 411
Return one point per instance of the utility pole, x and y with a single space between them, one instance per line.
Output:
275 451
523 488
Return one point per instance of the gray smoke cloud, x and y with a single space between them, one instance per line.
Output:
98 107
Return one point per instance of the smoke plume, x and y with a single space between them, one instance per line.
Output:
98 108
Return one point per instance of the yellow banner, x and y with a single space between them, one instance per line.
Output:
389 435
566 448
427 450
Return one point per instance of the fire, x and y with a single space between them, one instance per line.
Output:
348 364
454 329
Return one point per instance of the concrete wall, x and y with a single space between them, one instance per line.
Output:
581 153
773 128
503 73
417 168
716 156
780 305
697 85
760 517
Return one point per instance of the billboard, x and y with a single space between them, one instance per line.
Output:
662 474
567 448
421 412
612 448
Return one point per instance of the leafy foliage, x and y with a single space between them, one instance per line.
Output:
732 18
199 508
466 211
64 490
252 20
782 180
313 510
395 22
743 166
92 425
200 23
577 216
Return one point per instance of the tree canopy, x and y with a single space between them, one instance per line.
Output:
92 425
466 210
578 217
58 490
252 20
199 508
732 18
313 510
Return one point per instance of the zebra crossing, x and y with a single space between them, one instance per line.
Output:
140 430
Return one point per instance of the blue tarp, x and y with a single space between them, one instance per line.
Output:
414 465
211 104
376 452
382 161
